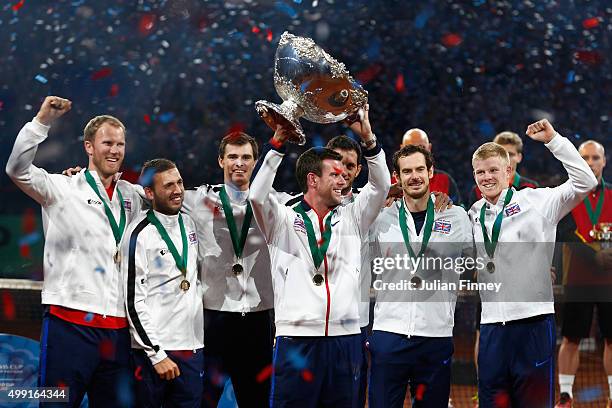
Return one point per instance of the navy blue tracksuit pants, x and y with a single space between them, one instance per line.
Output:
516 363
86 360
398 361
185 391
238 346
317 372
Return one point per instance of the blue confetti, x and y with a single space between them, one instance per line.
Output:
287 9
571 75
29 239
297 360
99 269
166 117
421 19
88 317
41 79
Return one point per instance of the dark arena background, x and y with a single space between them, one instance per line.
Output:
180 74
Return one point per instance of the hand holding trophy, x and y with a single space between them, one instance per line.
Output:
312 84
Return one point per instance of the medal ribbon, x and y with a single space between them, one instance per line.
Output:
117 229
491 244
237 241
594 214
318 252
429 220
181 262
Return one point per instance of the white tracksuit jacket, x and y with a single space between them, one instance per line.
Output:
419 313
162 316
301 307
79 270
526 243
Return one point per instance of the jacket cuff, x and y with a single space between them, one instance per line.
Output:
157 357
373 151
555 142
279 147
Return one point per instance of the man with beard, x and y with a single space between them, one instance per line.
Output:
411 342
315 271
85 337
441 181
517 331
163 295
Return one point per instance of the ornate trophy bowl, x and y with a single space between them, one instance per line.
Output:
312 84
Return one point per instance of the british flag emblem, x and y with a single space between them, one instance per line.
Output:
442 226
127 204
513 209
298 225
193 238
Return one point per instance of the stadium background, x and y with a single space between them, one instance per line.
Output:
180 74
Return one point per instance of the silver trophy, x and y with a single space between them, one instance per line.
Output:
312 84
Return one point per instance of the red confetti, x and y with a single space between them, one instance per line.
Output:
269 35
106 349
451 40
255 30
102 73
147 118
19 5
1 105
24 251
8 305
420 392
400 86
114 90
502 400
590 23
369 73
236 127
264 374
307 375
146 24
588 57
138 373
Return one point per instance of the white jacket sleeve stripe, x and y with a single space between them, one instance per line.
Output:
133 314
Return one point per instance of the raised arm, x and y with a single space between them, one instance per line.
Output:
372 197
555 203
267 210
35 182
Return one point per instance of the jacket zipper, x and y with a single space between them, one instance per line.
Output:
326 281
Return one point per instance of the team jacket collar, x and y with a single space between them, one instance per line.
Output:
307 208
166 220
235 195
409 219
500 200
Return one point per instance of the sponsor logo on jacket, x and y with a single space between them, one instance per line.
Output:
442 226
512 209
93 202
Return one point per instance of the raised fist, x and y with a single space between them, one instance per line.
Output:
541 131
52 108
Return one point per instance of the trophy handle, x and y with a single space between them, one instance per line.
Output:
287 115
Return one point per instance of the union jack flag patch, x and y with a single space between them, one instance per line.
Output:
442 226
513 209
298 225
127 204
193 238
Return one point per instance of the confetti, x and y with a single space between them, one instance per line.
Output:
400 87
8 306
101 73
114 90
307 375
147 118
264 374
590 23
106 349
17 6
40 78
451 40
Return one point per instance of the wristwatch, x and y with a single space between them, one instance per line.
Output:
368 144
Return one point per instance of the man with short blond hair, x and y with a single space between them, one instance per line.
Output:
85 340
517 331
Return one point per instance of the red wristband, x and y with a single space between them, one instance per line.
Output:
276 144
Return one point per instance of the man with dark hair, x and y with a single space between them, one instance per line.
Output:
84 220
411 342
441 181
316 270
234 267
163 295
